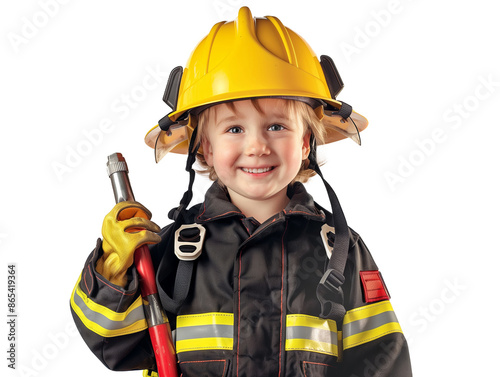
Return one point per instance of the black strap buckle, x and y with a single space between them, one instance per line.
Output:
332 281
331 296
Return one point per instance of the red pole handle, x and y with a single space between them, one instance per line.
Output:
144 265
159 328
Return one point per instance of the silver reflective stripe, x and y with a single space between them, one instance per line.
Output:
111 324
369 323
204 331
311 333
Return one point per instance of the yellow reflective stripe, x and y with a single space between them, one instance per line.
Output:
204 344
311 345
313 334
370 322
310 321
205 319
104 321
367 311
204 331
368 336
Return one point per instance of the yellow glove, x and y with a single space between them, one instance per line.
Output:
124 229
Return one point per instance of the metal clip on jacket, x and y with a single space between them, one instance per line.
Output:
189 241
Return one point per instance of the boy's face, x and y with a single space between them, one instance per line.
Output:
255 154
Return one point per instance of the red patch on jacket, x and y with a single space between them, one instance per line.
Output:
374 287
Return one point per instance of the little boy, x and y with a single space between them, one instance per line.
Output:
282 287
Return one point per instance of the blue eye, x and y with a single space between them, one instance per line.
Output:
235 130
276 127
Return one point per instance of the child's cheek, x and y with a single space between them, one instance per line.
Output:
224 159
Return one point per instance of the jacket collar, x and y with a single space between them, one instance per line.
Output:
217 204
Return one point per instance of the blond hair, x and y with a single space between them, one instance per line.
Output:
294 109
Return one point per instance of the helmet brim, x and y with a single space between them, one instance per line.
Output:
338 128
176 139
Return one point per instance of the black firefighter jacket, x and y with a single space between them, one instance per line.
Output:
252 308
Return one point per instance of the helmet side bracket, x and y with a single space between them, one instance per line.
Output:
172 90
332 76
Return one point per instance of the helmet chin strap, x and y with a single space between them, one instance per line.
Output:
329 291
188 195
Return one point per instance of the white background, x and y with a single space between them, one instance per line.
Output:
422 190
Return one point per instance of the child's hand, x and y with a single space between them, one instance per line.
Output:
124 229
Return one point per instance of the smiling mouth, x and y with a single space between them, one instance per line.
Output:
257 170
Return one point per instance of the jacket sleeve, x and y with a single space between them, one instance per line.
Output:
373 342
111 318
